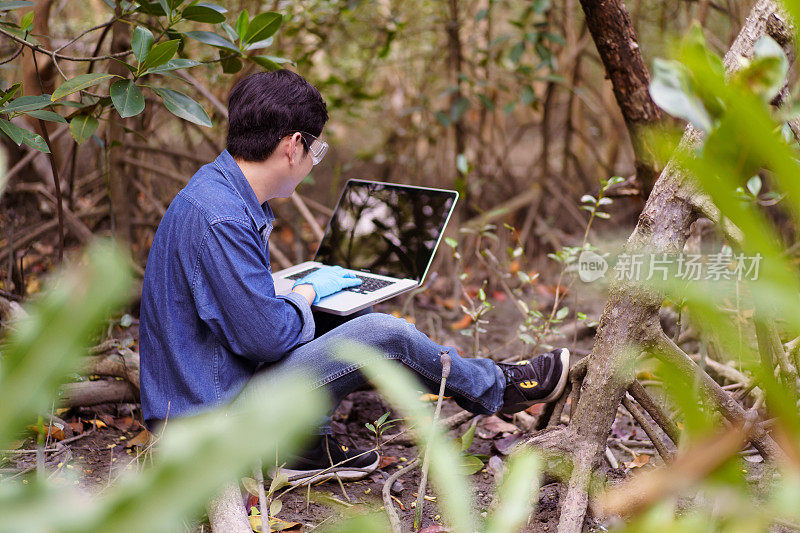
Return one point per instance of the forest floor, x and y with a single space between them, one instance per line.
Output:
108 436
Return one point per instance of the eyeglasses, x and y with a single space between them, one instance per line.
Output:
316 146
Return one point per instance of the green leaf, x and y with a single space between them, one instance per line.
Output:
160 54
462 165
35 141
230 32
127 98
151 8
271 62
265 43
671 91
766 73
26 22
562 313
266 62
467 437
79 83
27 103
141 42
263 26
22 136
212 39
458 109
241 24
165 7
14 4
43 114
183 106
230 65
516 52
172 64
14 132
216 7
10 93
199 13
82 127
754 185
470 465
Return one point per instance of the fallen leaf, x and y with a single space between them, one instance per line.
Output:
54 431
77 427
428 397
250 485
106 418
493 425
495 466
465 321
638 461
387 460
434 529
123 423
141 440
275 524
506 444
535 409
98 423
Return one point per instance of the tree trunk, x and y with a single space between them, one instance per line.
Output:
630 319
613 34
118 183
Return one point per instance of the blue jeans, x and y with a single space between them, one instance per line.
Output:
477 385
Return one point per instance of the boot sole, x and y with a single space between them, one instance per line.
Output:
323 474
559 388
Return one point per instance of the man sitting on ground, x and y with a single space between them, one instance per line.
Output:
210 318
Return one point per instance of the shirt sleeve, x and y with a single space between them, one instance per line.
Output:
235 296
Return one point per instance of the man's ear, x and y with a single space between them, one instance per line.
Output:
293 146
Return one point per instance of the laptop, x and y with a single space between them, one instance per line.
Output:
386 234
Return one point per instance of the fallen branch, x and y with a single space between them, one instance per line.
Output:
655 485
88 393
661 448
641 396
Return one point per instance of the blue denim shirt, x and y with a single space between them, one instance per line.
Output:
209 313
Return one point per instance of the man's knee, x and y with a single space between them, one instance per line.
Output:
380 328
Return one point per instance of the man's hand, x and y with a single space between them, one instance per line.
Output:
327 280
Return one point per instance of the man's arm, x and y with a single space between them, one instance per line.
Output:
235 296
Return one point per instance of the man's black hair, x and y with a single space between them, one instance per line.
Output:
265 107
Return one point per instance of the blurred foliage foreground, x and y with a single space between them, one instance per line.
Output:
745 150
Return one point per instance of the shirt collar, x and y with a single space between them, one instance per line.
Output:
261 214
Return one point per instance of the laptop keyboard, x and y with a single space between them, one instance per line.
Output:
368 285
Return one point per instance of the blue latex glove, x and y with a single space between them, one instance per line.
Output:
328 280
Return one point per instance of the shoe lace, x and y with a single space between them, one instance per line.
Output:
535 369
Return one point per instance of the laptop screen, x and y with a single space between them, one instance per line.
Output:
386 229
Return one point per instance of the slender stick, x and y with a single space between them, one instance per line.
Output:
53 167
394 520
262 495
445 357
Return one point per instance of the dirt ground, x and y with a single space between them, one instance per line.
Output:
105 447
